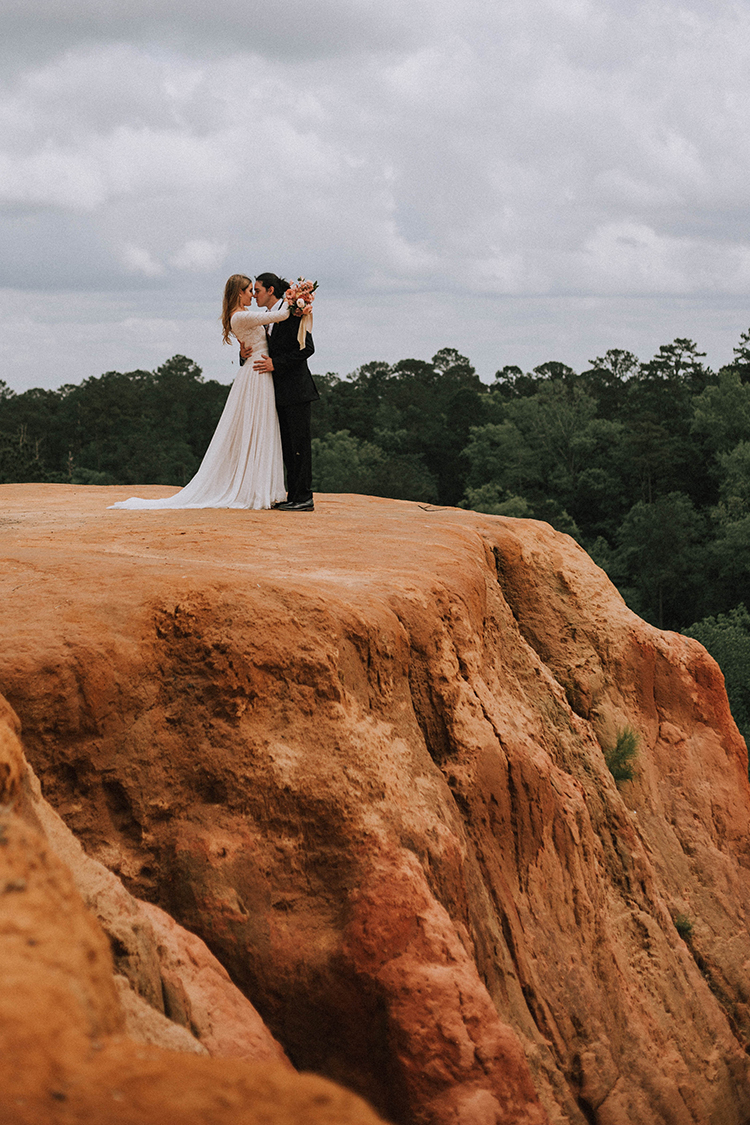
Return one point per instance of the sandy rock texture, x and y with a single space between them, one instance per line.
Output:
173 991
358 753
77 1043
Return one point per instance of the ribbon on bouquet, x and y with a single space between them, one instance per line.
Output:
305 326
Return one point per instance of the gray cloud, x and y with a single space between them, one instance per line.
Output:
412 158
292 31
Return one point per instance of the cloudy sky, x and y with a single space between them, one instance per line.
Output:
523 180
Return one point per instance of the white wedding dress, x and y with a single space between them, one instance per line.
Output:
243 466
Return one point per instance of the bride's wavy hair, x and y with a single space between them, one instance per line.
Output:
237 282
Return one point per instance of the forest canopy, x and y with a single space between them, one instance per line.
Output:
645 464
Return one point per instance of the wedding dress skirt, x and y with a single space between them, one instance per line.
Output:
243 466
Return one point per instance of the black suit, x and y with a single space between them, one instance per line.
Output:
295 390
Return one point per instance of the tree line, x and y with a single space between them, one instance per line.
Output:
645 464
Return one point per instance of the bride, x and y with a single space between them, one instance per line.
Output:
243 466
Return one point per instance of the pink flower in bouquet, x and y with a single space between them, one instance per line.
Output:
300 296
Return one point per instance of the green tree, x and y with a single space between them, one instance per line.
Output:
414 408
20 458
659 561
143 427
551 449
607 381
729 577
741 362
439 402
651 450
344 463
663 454
554 371
677 364
510 382
499 454
352 403
721 413
727 638
734 488
32 418
324 416
492 500
495 501
618 363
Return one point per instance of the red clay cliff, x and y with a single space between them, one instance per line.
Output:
359 754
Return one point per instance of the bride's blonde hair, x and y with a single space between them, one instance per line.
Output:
237 282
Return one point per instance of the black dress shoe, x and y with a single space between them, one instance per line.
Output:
279 503
299 506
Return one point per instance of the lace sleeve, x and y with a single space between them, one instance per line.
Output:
251 318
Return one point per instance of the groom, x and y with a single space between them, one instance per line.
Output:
295 392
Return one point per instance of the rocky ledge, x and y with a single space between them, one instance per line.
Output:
334 785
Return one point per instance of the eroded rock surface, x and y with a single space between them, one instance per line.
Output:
173 990
68 1022
359 753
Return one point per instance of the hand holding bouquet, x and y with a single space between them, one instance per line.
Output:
300 297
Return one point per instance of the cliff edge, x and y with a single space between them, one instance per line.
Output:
359 753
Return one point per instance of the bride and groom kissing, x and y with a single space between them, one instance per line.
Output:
265 425
294 390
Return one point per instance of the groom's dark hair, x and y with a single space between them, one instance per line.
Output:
272 281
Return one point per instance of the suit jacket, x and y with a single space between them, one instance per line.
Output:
292 381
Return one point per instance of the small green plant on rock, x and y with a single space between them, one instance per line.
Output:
683 925
621 756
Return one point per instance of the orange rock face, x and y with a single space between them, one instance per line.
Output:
173 991
65 1058
78 1044
359 753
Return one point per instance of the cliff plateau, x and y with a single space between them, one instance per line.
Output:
359 753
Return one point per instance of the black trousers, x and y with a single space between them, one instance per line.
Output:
296 446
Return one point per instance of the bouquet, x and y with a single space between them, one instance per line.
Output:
300 297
